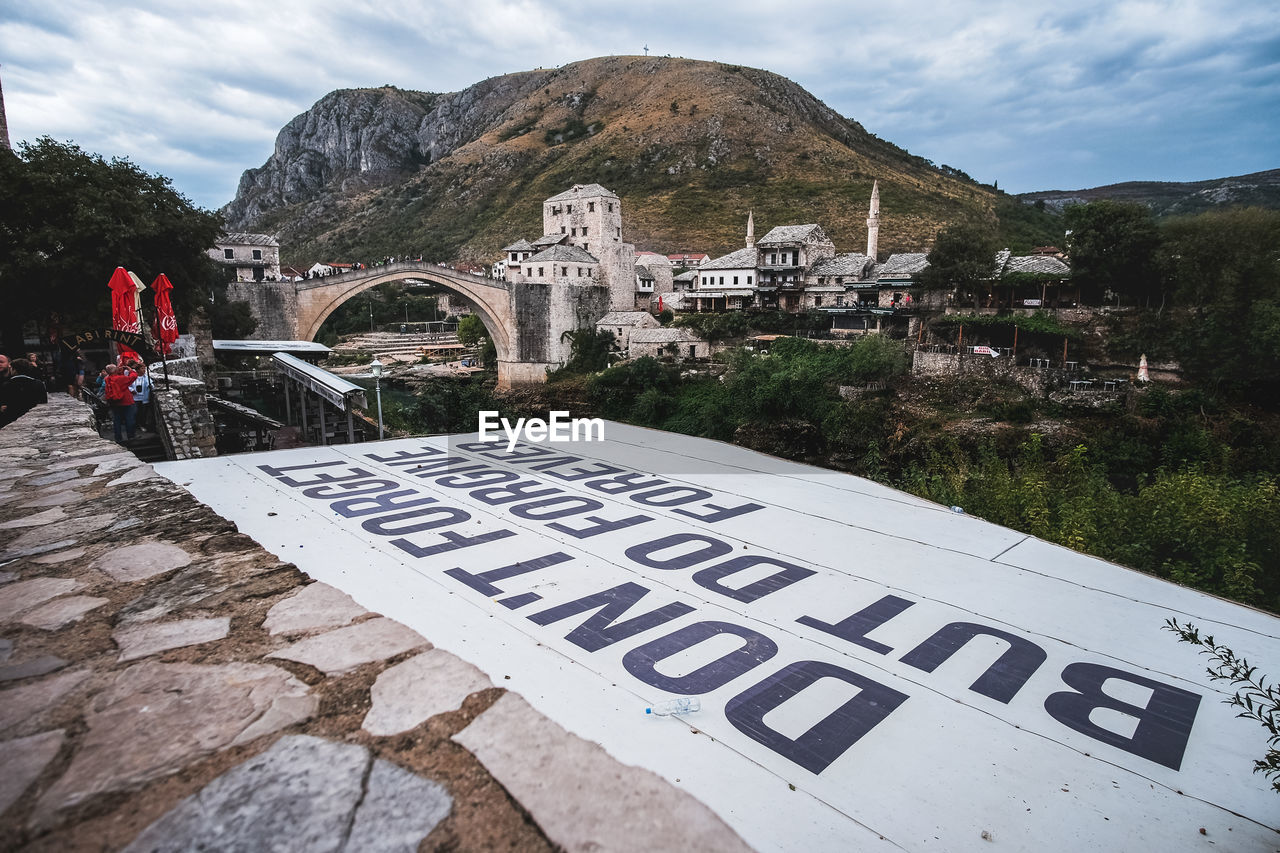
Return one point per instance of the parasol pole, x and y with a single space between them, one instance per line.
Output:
164 361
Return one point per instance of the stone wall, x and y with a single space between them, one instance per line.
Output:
530 303
1036 380
183 420
188 367
275 304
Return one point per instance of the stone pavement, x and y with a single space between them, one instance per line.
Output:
166 684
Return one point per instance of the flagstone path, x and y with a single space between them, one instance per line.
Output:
166 684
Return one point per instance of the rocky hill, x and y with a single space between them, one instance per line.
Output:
689 146
1166 198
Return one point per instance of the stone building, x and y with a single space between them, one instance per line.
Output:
581 243
621 324
680 343
248 257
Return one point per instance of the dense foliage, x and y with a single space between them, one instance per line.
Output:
68 218
963 256
384 306
1113 249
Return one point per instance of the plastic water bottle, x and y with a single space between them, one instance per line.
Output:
958 510
682 705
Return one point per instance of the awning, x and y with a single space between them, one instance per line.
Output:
335 389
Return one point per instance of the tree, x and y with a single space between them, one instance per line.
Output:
1113 248
68 218
470 330
1225 267
963 257
588 350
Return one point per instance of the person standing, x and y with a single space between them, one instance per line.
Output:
120 398
141 389
21 392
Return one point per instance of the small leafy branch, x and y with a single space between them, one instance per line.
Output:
1254 697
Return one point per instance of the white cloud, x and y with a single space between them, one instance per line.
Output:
1032 93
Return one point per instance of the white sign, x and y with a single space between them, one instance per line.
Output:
874 670
986 351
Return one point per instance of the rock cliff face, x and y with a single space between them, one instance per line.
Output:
689 146
357 138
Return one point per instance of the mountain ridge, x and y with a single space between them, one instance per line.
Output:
690 146
1169 198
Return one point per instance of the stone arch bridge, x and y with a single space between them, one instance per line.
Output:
526 321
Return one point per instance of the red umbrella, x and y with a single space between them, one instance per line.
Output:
167 332
124 313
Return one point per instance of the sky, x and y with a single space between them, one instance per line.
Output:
1028 94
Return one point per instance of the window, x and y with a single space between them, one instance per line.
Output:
257 254
773 258
735 279
611 207
564 271
515 256
619 233
817 300
586 247
540 274
561 229
574 233
748 279
722 279
584 230
591 207
568 208
228 254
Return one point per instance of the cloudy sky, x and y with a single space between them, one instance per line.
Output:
1031 94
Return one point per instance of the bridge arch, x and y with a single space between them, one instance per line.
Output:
526 322
489 301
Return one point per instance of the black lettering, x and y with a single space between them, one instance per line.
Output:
597 469
642 553
622 483
448 516
483 583
405 457
452 542
356 507
600 525
830 737
721 513
481 477
711 576
539 510
855 628
1003 679
683 495
1164 724
642 661
348 489
449 464
278 473
523 490
599 630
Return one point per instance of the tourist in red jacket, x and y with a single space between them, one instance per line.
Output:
119 396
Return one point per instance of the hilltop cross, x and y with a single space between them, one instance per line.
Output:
646 50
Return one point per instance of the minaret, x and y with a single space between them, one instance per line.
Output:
873 222
751 229
4 125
